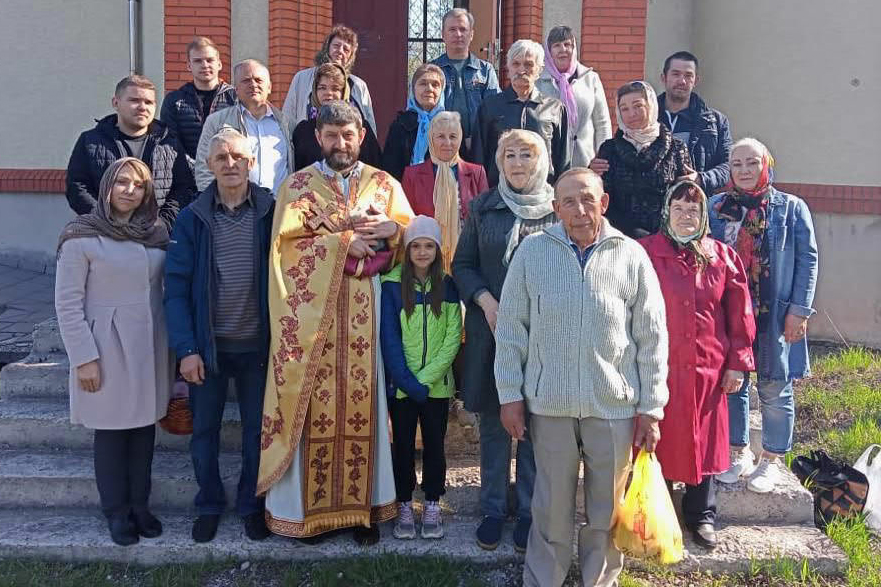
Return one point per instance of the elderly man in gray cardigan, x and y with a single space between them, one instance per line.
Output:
581 343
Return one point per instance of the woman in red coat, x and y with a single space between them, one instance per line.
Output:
711 330
443 186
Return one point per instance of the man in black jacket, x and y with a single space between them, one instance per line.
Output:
521 105
131 132
705 131
184 110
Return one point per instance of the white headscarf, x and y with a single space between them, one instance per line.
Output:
642 137
535 200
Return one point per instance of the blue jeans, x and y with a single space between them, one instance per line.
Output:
248 370
778 415
495 469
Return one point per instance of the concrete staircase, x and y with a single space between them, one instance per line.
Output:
49 502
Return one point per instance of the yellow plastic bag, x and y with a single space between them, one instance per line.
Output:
646 524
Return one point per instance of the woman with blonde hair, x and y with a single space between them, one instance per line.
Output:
499 219
443 185
108 297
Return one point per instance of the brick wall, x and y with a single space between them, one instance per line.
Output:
521 19
613 42
185 19
296 31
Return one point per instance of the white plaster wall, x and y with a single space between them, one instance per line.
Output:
804 77
32 222
669 29
250 32
562 12
61 61
849 286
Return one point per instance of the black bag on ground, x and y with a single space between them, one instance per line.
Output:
838 488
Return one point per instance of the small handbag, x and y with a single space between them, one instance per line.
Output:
179 418
838 489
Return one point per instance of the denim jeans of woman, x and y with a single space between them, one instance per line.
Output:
495 469
778 415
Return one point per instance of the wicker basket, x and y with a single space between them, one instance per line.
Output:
179 419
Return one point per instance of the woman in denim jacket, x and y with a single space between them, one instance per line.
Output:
774 235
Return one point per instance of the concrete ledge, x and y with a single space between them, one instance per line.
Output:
65 478
43 423
35 377
81 536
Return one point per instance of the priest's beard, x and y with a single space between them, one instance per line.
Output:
339 159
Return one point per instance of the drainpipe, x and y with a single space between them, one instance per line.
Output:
134 54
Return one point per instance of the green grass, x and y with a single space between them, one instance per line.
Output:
864 561
849 444
839 409
392 569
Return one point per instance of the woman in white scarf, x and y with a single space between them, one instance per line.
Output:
522 159
499 219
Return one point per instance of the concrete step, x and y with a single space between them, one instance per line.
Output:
47 338
65 478
76 535
44 423
35 376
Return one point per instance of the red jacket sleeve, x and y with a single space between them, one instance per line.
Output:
408 182
739 317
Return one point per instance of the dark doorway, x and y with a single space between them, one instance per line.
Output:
394 38
382 50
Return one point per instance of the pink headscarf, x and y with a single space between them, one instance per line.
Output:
567 96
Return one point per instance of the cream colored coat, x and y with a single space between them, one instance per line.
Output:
108 297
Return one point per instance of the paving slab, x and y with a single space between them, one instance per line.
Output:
25 297
81 536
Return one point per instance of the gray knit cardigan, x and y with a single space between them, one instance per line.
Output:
582 343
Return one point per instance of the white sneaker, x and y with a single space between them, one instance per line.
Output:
766 475
405 527
432 522
742 465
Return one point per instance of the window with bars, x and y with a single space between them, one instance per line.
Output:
424 28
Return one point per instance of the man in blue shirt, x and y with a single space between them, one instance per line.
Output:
469 79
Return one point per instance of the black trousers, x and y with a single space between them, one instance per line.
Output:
123 460
432 418
699 503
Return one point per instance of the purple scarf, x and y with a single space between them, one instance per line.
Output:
567 96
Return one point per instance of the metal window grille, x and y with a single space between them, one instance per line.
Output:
424 29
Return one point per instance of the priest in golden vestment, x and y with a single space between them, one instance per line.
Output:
325 460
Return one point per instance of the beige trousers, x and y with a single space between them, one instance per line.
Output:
560 444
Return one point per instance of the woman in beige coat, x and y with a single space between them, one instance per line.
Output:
108 297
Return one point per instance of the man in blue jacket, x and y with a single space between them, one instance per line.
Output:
184 110
469 79
131 132
216 306
687 116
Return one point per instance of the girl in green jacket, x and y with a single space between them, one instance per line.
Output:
420 333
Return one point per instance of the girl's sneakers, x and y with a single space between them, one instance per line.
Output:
405 527
432 522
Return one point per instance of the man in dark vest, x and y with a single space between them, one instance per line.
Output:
131 132
184 110
703 129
